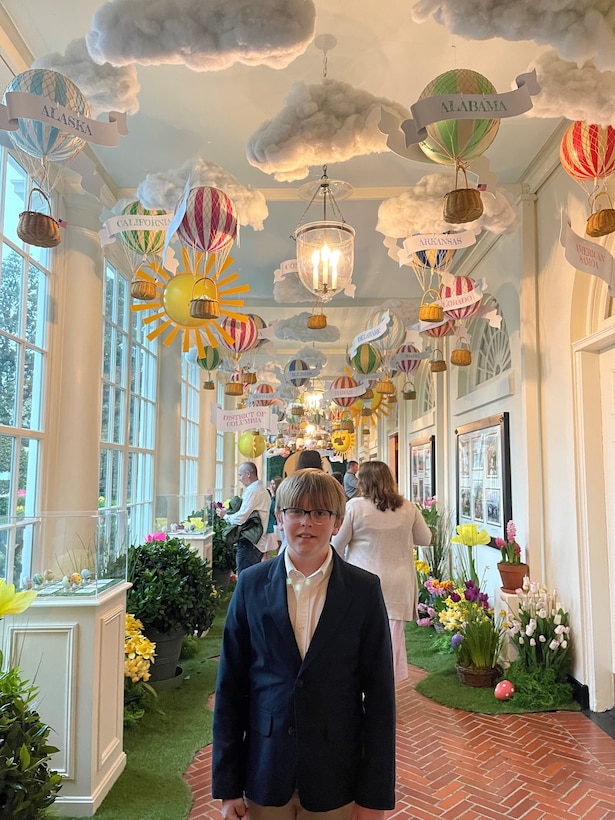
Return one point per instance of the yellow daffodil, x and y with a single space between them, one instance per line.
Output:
470 535
11 602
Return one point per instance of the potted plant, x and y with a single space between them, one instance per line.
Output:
172 594
223 552
478 635
512 570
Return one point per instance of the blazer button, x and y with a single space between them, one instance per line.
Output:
291 731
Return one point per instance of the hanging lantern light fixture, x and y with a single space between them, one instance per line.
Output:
325 249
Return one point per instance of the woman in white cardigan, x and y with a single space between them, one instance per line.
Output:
378 533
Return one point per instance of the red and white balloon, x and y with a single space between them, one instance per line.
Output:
460 287
209 223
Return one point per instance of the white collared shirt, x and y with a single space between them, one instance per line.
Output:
306 599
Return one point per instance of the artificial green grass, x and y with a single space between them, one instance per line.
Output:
428 650
160 747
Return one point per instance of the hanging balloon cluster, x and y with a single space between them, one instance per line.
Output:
44 149
457 142
587 154
143 248
429 267
238 335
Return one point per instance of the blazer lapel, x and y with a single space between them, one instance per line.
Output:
275 593
339 597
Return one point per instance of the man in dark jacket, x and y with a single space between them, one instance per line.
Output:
305 704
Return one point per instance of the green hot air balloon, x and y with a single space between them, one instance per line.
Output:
141 243
366 359
451 142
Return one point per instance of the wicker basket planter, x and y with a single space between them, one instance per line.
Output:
37 228
477 677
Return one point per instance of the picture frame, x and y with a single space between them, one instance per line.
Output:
483 475
422 469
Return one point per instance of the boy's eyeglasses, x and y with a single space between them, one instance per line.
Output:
296 514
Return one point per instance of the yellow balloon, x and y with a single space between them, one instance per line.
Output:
251 444
177 295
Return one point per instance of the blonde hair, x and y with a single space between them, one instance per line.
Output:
314 487
376 482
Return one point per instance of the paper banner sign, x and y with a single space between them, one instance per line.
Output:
367 336
291 375
457 107
252 418
289 266
21 105
587 256
425 241
346 392
180 212
463 299
132 222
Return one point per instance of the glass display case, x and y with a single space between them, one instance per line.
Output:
187 515
65 554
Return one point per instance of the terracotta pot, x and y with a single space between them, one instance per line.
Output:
478 677
512 575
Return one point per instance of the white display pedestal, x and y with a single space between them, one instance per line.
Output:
509 602
72 650
200 542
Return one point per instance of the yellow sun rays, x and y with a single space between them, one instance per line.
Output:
170 310
377 405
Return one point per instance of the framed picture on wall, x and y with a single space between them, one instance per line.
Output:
423 468
483 475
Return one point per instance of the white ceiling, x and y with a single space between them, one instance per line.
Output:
185 114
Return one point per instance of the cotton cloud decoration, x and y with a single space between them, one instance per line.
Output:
319 124
577 93
295 327
204 36
579 30
105 87
290 290
163 190
419 210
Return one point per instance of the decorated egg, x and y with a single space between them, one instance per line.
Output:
75 578
86 575
504 690
66 582
38 579
48 575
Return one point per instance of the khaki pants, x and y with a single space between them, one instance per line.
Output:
293 810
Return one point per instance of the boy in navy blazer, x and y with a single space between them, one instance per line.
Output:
304 718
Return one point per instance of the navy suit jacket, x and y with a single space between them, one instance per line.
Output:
325 725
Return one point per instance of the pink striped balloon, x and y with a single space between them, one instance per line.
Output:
262 395
243 334
344 382
460 287
210 221
403 362
445 329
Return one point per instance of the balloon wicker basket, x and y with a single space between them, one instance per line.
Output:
317 321
461 357
142 289
601 223
37 228
462 205
233 389
430 311
208 384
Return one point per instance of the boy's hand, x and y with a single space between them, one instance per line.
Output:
360 813
232 809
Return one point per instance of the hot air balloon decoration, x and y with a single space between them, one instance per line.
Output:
251 444
296 372
262 395
457 142
209 362
367 359
142 245
587 154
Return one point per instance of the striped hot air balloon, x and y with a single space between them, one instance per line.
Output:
210 221
344 383
445 329
434 259
39 139
261 324
142 242
459 287
296 365
452 141
406 358
211 359
244 335
587 152
394 334
366 359
262 395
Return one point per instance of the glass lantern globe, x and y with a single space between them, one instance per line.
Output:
325 257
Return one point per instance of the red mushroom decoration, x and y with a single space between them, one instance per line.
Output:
504 690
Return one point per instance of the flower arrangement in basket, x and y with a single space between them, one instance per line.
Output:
541 634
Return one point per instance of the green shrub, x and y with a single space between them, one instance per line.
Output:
27 784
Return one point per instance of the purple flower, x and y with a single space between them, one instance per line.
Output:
456 597
424 622
456 640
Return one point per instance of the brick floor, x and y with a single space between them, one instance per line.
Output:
459 765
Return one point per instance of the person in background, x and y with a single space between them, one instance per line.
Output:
350 479
309 458
378 534
338 476
255 498
304 715
273 536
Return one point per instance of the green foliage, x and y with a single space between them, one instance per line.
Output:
190 647
172 587
438 554
538 689
223 555
481 642
139 698
27 784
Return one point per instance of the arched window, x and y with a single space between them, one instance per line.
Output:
490 351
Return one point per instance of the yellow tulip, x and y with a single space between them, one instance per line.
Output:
11 602
470 535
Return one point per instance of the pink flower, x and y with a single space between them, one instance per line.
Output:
499 542
511 531
156 536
